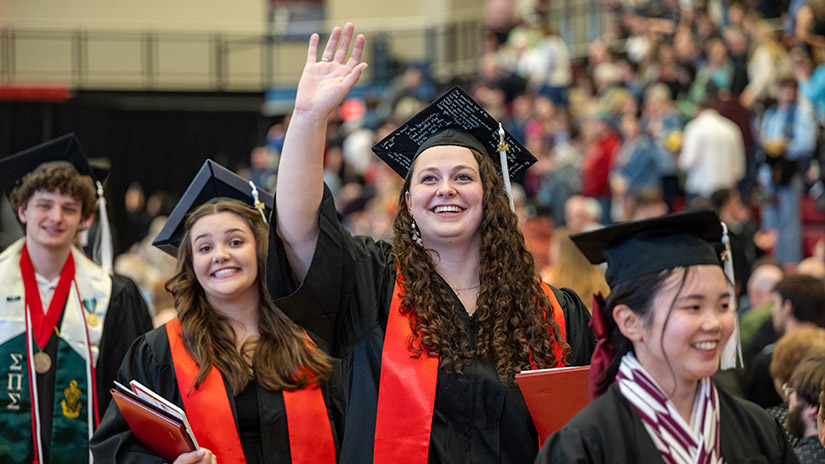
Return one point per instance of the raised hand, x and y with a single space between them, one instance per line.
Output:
324 84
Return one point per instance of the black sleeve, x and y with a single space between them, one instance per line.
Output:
113 440
347 289
568 446
126 319
577 325
748 433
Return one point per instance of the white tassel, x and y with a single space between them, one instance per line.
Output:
103 250
259 205
733 349
505 169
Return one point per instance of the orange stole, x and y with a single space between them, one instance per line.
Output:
209 412
406 389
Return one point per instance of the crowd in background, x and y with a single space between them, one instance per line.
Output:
673 107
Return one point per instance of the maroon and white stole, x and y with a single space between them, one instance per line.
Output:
678 441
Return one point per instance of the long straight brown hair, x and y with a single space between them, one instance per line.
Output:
281 358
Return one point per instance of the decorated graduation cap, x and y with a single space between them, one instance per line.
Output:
454 119
634 249
212 182
64 149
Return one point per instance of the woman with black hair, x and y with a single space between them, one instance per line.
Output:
665 326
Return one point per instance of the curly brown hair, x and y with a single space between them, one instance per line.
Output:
56 177
515 317
281 358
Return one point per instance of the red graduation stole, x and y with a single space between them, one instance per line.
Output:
209 412
406 389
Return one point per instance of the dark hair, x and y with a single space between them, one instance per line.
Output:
720 197
515 317
807 378
56 177
787 82
807 296
282 358
637 294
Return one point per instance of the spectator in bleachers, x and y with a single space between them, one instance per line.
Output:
569 268
755 308
813 267
547 66
263 167
810 24
804 388
731 209
713 153
582 214
717 69
637 167
788 353
788 137
648 203
798 302
603 142
661 121
768 62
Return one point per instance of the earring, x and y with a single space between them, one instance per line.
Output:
415 236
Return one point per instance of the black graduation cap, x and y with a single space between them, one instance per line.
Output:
211 182
65 148
638 248
473 127
101 168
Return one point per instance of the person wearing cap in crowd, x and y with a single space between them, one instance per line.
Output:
663 330
432 327
65 323
803 390
231 356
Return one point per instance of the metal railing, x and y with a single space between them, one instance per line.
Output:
153 60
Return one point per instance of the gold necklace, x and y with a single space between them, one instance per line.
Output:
457 290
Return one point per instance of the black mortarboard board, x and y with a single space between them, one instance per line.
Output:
638 248
65 148
473 128
211 182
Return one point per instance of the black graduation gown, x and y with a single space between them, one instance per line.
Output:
344 303
127 318
609 430
149 361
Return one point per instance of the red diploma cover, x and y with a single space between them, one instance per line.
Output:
156 426
554 396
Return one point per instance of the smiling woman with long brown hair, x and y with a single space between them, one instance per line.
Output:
432 327
247 377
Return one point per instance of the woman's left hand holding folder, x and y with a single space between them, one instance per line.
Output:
201 456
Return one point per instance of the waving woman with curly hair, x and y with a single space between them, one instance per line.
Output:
432 327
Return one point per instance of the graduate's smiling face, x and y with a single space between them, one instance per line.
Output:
224 257
52 219
687 341
445 196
